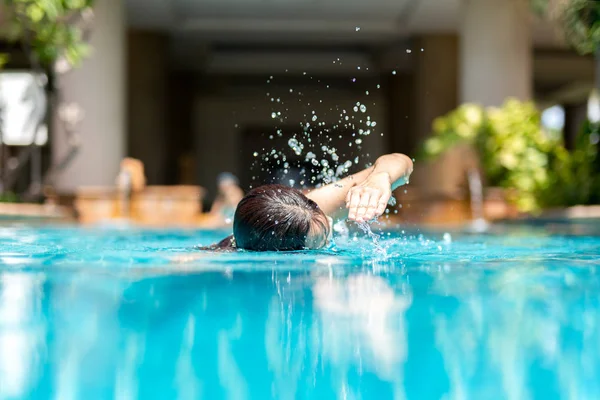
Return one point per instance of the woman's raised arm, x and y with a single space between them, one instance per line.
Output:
364 195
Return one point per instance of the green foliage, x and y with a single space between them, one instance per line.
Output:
49 27
575 175
9 197
539 7
581 23
579 19
516 153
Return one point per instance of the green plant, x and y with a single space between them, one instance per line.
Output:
49 28
575 175
579 20
9 197
517 153
581 23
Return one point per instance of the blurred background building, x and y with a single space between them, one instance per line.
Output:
186 85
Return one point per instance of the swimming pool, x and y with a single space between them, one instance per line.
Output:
105 312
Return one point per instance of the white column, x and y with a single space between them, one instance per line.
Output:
495 51
98 87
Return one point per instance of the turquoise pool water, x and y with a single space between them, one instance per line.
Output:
121 313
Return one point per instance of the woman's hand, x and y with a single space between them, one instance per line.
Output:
369 199
366 193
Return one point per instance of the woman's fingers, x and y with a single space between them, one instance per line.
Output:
381 207
372 208
353 203
363 205
358 204
382 201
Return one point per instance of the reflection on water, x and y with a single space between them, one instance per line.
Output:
520 326
22 334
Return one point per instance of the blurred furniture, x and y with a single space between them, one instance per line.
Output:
132 200
96 203
167 205
154 205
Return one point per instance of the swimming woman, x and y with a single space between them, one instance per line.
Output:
277 217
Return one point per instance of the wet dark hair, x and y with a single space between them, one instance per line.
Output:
277 218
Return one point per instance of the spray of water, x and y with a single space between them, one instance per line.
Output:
314 159
380 250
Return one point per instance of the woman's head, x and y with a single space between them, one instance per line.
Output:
276 217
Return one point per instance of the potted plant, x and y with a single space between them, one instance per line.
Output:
528 164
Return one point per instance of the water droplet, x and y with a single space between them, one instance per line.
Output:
358 141
358 67
447 238
357 28
296 146
255 154
273 115
363 108
353 79
408 51
355 109
314 118
394 72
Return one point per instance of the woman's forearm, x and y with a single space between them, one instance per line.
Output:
397 166
391 170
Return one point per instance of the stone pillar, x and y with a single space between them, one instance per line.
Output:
436 80
400 112
495 51
147 79
435 94
98 87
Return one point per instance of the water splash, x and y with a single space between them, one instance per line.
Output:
380 249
